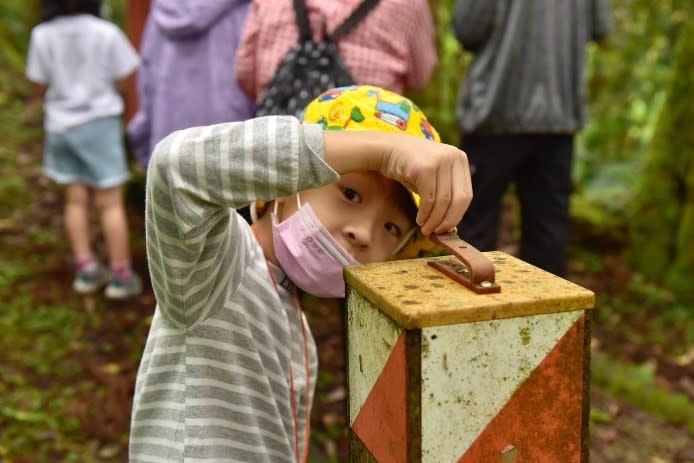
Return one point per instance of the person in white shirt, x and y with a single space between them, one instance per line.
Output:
81 62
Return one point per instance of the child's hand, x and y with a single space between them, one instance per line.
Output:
439 173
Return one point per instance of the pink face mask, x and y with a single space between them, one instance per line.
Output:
309 254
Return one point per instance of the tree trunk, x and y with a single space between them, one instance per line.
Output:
662 227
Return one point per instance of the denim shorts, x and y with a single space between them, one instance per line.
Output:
91 153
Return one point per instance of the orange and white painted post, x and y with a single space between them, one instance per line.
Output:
440 374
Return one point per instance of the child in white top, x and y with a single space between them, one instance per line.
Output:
81 62
229 367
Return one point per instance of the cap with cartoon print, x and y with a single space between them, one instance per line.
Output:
370 108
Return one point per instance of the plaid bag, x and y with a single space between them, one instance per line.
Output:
310 67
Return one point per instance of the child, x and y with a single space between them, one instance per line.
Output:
229 368
80 62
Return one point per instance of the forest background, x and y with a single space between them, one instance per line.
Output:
67 364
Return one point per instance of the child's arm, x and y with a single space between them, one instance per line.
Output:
121 86
439 173
122 61
37 69
39 89
197 250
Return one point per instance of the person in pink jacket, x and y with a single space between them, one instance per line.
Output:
383 49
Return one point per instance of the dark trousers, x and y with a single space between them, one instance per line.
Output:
540 168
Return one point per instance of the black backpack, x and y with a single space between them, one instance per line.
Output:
310 67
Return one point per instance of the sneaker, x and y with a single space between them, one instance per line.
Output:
124 289
87 282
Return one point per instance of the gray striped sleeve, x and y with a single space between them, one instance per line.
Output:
195 176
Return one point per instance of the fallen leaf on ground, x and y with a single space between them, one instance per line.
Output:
111 368
336 395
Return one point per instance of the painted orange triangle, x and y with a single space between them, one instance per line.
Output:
381 423
543 420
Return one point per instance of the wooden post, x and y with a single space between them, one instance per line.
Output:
440 374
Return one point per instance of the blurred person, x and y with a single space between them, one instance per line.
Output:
80 63
393 47
522 102
187 75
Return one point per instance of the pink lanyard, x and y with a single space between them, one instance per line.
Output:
307 368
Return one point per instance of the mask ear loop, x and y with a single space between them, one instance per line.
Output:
307 369
275 206
405 239
253 209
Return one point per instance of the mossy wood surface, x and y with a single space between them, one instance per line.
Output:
415 295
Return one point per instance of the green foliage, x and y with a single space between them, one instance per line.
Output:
14 269
438 100
662 227
17 17
599 416
627 80
114 10
605 199
586 261
636 384
680 274
646 315
11 194
33 354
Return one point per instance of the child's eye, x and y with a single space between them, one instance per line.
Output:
351 195
393 229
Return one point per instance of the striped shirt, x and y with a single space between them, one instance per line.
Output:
223 376
393 47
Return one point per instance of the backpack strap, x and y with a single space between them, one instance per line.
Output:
356 16
302 21
305 28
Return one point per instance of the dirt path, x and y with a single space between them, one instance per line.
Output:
630 436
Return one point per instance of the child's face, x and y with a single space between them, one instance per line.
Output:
362 211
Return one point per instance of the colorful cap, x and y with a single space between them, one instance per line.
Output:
365 107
